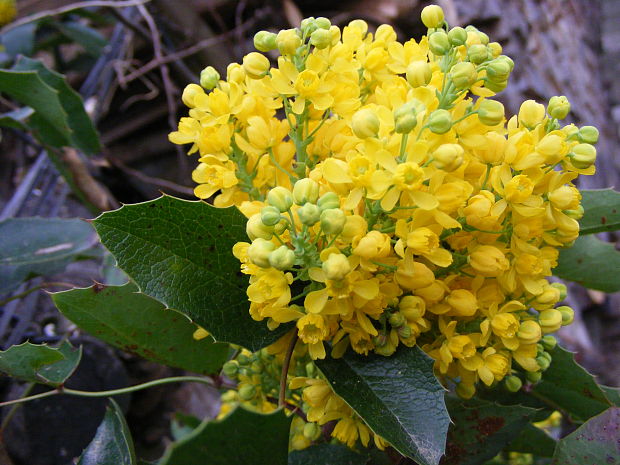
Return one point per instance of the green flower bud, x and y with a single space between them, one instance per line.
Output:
282 258
288 41
309 214
333 220
336 266
478 53
495 48
380 339
305 190
328 201
508 60
465 391
256 65
558 107
405 118
583 156
310 369
322 23
404 331
533 376
568 314
484 39
365 123
543 363
550 320
209 77
321 38
231 368
419 73
308 25
513 383
574 214
386 349
259 252
256 228
457 36
270 216
312 431
281 198
549 342
438 43
562 288
243 359
440 121
498 69
588 135
463 75
432 16
448 157
397 320
496 86
491 112
247 392
264 41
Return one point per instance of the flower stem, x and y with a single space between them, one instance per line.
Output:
285 366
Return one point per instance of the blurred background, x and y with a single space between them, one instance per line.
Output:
130 60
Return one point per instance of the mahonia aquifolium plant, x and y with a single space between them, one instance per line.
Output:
389 202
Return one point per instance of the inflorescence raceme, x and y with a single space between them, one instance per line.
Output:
389 202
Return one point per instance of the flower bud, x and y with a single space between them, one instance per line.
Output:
282 258
259 252
256 65
308 25
448 157
440 121
478 53
309 214
531 114
496 86
432 16
270 216
231 368
288 41
321 38
438 43
498 69
365 123
419 73
583 156
463 75
533 376
209 77
491 112
495 48
264 41
305 190
386 349
550 320
465 391
281 198
457 36
529 332
333 220
513 383
404 331
380 339
322 23
543 362
588 135
247 392
328 201
405 118
549 342
558 107
256 228
576 214
568 314
488 261
190 93
336 266
334 31
397 320
412 307
562 288
312 431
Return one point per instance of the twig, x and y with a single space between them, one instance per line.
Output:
31 290
152 180
285 366
72 7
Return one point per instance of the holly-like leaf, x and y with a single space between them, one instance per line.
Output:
243 437
398 397
593 443
137 323
40 246
481 429
591 263
180 253
569 386
601 211
112 444
327 454
40 363
533 440
89 38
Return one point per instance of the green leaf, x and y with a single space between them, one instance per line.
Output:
535 441
112 444
613 394
16 119
243 437
327 454
568 386
137 323
89 38
40 246
180 253
601 211
591 263
593 443
40 363
481 429
398 397
20 40
83 134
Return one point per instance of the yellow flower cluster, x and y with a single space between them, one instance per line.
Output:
388 199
